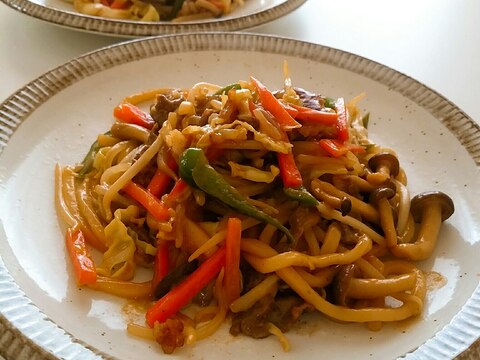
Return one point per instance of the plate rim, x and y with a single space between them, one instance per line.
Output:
17 108
130 28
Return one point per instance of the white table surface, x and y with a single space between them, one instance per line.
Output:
434 41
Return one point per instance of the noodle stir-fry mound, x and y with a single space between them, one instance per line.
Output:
157 10
249 207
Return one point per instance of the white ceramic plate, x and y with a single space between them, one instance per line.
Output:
55 118
61 12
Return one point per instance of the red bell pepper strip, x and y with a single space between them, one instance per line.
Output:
312 115
161 264
290 109
132 114
160 180
342 128
176 191
289 172
337 148
119 4
252 106
183 293
232 259
271 104
159 183
150 202
83 265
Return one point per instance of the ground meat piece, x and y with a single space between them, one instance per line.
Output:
282 311
169 335
283 314
205 116
310 100
250 277
341 283
165 104
202 103
253 321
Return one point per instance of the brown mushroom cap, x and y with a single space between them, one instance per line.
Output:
380 193
345 206
423 200
385 159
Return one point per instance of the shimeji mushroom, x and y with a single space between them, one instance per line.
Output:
126 131
430 209
326 192
383 166
348 286
379 197
343 204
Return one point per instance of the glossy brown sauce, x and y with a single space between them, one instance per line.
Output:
435 280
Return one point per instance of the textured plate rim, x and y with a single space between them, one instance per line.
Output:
460 337
129 28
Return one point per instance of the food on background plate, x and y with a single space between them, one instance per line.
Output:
249 207
157 10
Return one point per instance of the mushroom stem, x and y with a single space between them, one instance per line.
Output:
423 247
329 213
402 177
367 211
345 182
379 177
403 207
408 233
387 222
331 200
380 197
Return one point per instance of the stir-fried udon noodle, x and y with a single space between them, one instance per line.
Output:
248 207
157 10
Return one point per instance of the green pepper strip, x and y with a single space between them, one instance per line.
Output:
196 167
329 103
301 195
365 120
189 159
227 88
88 160
177 5
173 278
